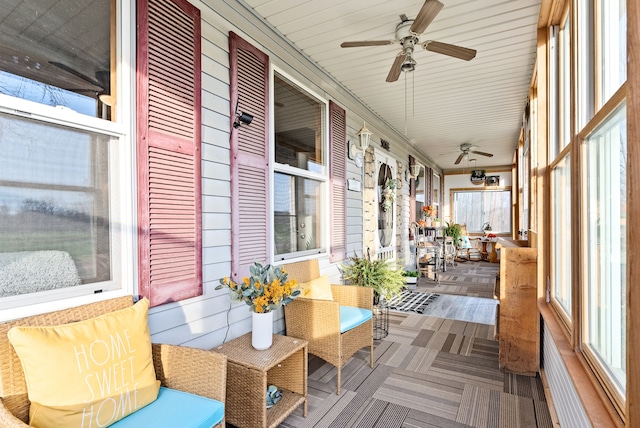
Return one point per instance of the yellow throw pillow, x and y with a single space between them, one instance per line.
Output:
319 288
90 373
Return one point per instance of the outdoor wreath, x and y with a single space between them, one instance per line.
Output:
388 194
267 289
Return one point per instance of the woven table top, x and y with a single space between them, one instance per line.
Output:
240 351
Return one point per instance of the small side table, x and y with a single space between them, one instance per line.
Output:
249 372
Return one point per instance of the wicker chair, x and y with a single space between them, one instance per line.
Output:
186 369
318 321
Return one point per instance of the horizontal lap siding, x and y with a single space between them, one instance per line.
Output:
169 171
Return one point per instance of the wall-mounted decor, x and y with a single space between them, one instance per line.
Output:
385 145
477 176
354 185
492 180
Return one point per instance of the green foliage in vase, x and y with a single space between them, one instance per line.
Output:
453 230
386 278
411 273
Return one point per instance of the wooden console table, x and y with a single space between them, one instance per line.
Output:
518 318
250 372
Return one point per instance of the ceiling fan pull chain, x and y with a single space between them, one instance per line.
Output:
405 104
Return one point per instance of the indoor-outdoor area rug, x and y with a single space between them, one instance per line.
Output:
412 301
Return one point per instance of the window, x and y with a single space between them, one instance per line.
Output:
564 87
604 331
476 208
59 56
65 197
561 236
435 198
585 60
612 67
420 197
554 102
300 175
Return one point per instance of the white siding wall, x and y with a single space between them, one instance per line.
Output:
567 404
206 321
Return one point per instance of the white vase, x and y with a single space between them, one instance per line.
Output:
261 330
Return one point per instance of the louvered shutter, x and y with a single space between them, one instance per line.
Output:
338 176
250 208
428 187
168 150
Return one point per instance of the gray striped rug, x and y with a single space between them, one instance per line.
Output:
412 301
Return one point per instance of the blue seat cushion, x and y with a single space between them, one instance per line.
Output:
173 409
351 317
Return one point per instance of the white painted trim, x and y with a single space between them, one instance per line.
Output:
324 178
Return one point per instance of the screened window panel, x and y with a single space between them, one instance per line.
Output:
561 234
613 47
59 56
564 80
299 128
475 208
56 204
297 214
606 219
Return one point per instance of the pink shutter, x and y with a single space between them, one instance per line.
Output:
428 187
168 151
250 207
338 179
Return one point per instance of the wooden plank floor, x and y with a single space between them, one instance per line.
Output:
430 371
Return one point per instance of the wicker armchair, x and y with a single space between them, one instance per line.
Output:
318 321
191 370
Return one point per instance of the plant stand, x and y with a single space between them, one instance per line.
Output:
380 320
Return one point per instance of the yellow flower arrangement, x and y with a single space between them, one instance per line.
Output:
267 289
429 211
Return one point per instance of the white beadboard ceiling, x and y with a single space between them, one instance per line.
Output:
448 101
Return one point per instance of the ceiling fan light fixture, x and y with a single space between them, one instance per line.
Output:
408 66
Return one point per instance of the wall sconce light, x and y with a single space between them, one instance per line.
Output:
365 136
414 170
242 118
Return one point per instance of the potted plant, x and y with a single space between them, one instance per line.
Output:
453 230
411 278
267 289
436 222
386 278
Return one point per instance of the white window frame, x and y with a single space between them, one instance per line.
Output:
559 231
287 169
123 222
386 252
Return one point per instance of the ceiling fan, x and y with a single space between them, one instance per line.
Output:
102 82
466 149
408 33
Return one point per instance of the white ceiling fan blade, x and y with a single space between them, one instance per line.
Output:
427 14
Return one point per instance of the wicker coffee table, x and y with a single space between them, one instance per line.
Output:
249 372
